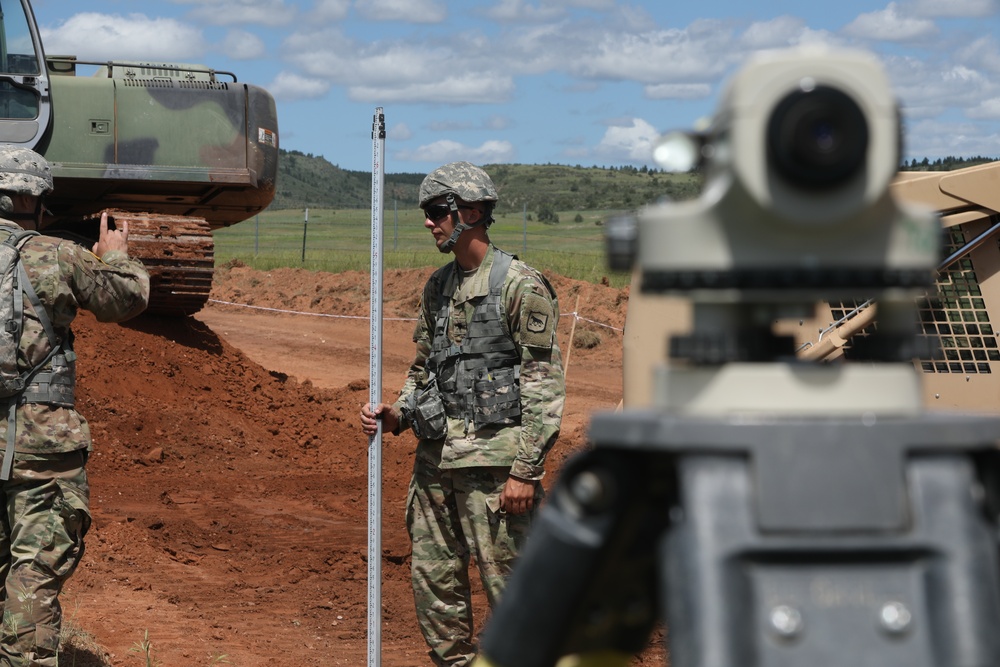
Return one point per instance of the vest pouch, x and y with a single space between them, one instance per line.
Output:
497 396
427 416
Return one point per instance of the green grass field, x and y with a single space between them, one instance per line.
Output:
336 240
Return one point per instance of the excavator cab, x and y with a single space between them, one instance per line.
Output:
25 108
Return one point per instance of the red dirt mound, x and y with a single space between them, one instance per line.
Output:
229 477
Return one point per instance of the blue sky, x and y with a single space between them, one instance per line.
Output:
539 81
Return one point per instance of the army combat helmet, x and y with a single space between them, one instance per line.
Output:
459 181
22 172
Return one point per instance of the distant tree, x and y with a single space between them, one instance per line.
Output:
547 214
578 218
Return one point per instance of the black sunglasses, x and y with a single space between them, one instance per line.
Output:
439 212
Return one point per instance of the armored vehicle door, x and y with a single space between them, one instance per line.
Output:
25 108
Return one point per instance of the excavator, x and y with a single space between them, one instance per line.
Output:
177 150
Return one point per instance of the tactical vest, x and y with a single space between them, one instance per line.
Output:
479 379
52 381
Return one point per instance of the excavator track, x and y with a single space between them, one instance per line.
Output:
179 253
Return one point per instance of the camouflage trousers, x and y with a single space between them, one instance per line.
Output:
47 513
453 517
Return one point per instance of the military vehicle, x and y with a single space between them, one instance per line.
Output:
961 317
176 149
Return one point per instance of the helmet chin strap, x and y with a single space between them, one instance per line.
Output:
459 226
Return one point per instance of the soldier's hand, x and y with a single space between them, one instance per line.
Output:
518 496
111 239
369 418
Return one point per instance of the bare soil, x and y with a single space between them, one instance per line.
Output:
229 476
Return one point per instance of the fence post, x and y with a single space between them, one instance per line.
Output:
305 225
524 219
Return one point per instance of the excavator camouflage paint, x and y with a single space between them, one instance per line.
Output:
179 150
962 318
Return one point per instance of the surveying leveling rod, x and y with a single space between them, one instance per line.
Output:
374 397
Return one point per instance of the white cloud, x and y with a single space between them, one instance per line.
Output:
702 51
628 142
934 139
779 32
330 10
446 150
890 24
232 12
493 123
678 91
987 110
512 11
449 126
289 86
409 11
405 65
928 89
400 132
983 52
93 36
464 89
243 45
496 123
956 8
402 71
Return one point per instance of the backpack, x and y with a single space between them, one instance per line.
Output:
14 286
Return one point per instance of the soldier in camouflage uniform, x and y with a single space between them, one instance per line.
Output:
45 494
484 396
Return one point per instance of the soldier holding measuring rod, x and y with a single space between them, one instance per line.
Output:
485 396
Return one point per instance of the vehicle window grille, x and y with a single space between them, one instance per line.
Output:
957 316
843 311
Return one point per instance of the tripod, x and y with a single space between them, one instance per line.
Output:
768 538
774 512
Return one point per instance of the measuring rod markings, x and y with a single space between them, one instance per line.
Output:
374 398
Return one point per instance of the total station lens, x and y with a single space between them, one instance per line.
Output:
818 138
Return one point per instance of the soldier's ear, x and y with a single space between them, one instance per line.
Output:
475 215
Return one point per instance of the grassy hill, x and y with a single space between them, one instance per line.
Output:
311 181
305 180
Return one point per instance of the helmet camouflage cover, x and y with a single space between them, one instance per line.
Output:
462 179
24 172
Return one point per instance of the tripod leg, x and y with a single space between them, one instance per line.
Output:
585 583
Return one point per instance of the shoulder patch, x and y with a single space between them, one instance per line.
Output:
537 321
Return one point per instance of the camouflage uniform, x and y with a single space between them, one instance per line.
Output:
47 497
453 505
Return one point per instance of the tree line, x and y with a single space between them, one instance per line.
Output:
949 163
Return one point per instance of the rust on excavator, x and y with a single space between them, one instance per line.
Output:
179 253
